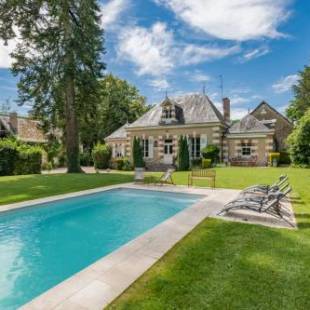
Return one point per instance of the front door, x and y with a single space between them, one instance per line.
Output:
168 152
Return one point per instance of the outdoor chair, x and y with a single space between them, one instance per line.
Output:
269 204
208 174
266 187
166 178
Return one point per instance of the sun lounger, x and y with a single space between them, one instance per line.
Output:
268 204
266 188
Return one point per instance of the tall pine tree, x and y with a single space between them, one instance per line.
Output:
58 61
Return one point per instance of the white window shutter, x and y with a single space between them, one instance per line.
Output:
151 147
113 151
123 149
203 141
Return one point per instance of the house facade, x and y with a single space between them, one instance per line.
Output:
197 118
23 128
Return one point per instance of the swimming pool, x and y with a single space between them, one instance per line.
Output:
43 245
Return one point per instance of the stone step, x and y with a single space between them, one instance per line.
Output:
158 167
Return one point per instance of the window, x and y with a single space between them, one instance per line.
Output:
168 147
119 150
246 149
167 113
195 147
145 147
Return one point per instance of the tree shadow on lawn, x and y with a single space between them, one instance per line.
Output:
20 188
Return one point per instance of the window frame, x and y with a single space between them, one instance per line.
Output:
195 143
146 147
246 149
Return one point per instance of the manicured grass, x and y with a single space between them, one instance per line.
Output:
225 265
20 188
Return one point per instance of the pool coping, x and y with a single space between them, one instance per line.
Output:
97 285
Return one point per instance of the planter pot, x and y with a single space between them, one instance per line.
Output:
139 174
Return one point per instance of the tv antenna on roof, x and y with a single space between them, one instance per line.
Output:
221 85
204 88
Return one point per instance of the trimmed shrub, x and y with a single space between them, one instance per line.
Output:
206 163
29 160
19 158
138 161
273 159
183 154
196 163
284 158
101 155
127 166
211 152
8 156
86 159
119 163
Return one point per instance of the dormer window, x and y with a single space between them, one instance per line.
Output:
167 113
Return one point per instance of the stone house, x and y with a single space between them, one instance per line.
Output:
23 128
197 118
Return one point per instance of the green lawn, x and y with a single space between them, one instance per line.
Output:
225 265
220 265
19 188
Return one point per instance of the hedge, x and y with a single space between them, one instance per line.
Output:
8 156
102 156
206 163
19 158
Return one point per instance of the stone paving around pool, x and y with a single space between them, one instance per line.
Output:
100 283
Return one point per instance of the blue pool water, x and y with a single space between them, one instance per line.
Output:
41 246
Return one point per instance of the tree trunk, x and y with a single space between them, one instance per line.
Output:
72 134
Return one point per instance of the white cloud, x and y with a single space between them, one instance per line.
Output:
199 77
255 53
236 99
285 83
194 54
238 113
111 11
5 58
155 51
159 84
232 19
149 49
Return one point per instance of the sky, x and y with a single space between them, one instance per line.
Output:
256 47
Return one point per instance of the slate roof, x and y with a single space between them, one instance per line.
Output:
120 133
197 109
248 124
28 130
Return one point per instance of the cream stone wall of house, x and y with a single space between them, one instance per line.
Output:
208 134
282 126
260 147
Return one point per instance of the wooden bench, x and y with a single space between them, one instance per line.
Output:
208 174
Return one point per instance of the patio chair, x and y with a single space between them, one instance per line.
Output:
166 178
265 188
264 193
268 204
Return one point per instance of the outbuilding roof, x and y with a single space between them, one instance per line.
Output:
249 124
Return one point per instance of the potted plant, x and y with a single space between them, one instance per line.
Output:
138 160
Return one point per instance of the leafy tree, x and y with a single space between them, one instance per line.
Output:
120 102
58 61
137 151
299 141
301 103
183 154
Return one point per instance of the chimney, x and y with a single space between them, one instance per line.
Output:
226 109
14 121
